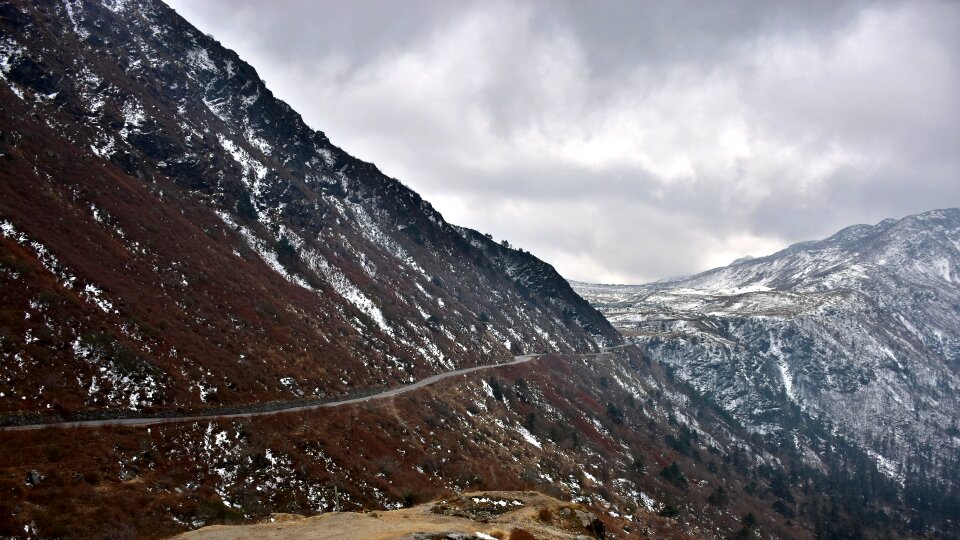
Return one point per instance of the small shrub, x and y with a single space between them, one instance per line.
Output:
781 508
287 255
213 510
669 511
615 414
545 515
14 264
245 206
496 388
520 534
674 475
597 529
719 497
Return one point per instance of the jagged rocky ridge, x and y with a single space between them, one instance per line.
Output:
858 333
175 235
538 280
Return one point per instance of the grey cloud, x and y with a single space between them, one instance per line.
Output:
628 141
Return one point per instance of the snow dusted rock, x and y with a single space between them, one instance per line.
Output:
33 478
857 334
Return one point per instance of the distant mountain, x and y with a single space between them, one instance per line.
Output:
858 333
174 235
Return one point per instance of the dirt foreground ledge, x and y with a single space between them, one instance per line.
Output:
482 515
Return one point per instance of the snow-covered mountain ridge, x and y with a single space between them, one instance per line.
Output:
860 331
174 235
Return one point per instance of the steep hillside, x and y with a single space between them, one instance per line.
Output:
606 431
858 334
175 236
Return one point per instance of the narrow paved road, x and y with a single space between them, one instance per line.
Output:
149 421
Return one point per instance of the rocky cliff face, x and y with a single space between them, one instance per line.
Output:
174 235
540 282
859 332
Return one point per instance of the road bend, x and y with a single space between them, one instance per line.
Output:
294 407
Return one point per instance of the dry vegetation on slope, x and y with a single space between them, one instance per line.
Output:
608 432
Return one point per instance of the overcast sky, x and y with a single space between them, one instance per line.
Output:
627 141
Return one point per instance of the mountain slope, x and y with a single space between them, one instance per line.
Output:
173 237
859 332
177 236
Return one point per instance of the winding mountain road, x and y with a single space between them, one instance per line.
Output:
296 406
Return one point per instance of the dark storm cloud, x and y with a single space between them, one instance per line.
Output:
628 141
